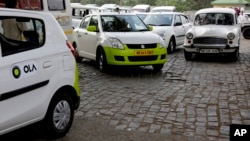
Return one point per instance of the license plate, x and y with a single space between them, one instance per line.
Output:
143 52
209 51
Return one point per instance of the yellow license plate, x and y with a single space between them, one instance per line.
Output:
143 52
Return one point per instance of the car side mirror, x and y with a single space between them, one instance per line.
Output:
92 28
150 28
177 24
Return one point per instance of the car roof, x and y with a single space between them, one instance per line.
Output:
10 10
216 10
141 6
170 12
113 13
163 7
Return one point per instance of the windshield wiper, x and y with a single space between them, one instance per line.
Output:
163 25
142 30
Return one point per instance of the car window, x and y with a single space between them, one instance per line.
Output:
178 19
158 19
184 19
85 22
18 34
122 23
94 21
56 5
214 19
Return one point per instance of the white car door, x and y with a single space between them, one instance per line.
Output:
81 32
179 30
25 73
92 37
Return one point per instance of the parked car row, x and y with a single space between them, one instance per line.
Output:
127 39
28 65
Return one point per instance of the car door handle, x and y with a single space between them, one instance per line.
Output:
47 64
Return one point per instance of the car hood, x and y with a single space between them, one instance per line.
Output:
213 30
160 29
134 37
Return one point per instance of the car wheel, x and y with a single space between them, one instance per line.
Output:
187 55
171 46
59 117
235 55
246 33
78 58
101 60
158 67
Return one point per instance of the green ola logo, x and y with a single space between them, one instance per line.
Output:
16 72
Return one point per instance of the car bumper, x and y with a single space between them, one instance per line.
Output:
210 48
131 57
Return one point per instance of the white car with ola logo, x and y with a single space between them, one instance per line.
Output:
39 77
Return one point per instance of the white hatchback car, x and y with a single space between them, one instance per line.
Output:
118 39
214 31
39 76
171 26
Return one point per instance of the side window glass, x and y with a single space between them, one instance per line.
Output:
19 34
178 20
184 19
30 4
85 22
94 21
56 5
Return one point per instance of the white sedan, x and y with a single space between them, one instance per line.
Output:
214 31
171 26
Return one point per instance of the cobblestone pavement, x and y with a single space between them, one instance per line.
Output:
188 101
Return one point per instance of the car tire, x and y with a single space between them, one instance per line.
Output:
101 60
171 46
188 56
157 67
234 56
59 117
246 33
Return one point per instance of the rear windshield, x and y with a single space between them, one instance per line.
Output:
18 34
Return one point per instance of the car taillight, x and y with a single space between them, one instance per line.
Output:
72 49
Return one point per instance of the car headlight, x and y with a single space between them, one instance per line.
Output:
230 36
189 35
116 43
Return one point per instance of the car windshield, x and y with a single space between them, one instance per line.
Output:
122 23
158 19
214 19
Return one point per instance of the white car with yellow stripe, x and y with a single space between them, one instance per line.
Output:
39 77
118 39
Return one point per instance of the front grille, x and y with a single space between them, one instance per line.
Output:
142 58
209 40
141 46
